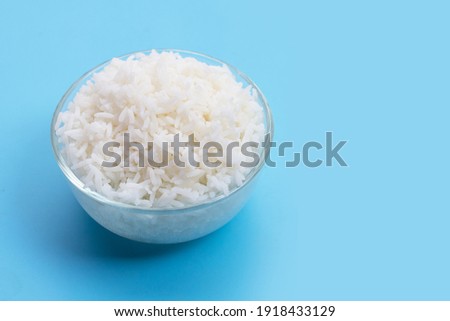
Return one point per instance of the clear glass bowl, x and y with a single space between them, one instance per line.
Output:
161 225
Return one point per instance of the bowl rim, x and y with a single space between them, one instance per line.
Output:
75 181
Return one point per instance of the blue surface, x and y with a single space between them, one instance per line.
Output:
376 74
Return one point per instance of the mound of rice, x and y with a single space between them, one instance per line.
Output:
153 97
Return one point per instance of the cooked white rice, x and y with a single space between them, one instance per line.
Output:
154 97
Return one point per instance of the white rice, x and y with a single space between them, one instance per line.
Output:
154 97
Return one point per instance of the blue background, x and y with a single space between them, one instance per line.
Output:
375 73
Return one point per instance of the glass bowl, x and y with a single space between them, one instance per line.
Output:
161 225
